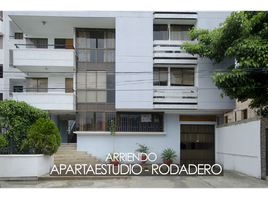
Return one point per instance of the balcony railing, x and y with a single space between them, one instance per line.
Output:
175 97
45 46
175 15
169 52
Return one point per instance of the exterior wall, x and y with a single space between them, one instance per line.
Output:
134 63
25 165
48 101
208 94
238 146
101 144
239 106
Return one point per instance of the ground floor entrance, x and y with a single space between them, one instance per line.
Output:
197 144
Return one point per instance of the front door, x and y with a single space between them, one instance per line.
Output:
197 144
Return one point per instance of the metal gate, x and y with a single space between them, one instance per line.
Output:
197 144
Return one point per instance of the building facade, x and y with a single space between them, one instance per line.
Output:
241 112
87 68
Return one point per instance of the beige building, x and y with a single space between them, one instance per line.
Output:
241 112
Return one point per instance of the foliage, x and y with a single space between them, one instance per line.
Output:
142 148
112 129
168 154
43 137
243 36
15 118
3 141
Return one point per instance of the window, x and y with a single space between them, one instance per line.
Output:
10 58
1 15
139 122
18 89
226 119
1 41
37 43
68 85
19 36
179 32
1 71
94 121
95 49
1 96
37 84
160 32
182 76
63 43
161 76
244 114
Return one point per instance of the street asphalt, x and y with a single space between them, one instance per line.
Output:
231 179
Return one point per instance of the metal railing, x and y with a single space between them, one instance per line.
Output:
44 46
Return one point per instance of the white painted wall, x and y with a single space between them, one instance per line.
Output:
238 148
25 165
134 63
48 101
208 94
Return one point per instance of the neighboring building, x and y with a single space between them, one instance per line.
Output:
89 67
241 111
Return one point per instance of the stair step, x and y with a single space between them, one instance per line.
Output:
68 151
90 158
71 155
82 162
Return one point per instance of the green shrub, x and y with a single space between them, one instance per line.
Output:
3 141
43 137
15 119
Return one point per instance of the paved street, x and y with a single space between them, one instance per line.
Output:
230 179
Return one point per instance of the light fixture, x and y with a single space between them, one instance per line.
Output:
43 22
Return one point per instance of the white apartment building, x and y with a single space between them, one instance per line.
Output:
89 67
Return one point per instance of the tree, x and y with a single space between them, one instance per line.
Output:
43 137
15 119
243 36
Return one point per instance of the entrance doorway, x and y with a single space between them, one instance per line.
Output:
197 144
267 152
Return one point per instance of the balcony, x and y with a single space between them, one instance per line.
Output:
43 59
169 52
47 101
175 97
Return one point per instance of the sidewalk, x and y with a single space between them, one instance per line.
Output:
231 179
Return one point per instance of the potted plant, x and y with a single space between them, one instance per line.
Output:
168 155
114 158
143 150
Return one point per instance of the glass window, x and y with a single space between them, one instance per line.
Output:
18 36
81 80
37 84
160 76
110 55
18 89
1 42
81 96
101 79
176 77
110 80
37 43
81 38
101 57
110 96
91 96
179 32
101 40
1 71
91 39
182 77
110 41
90 121
81 55
91 79
91 55
100 121
101 96
160 32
